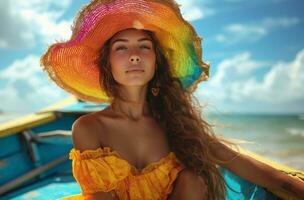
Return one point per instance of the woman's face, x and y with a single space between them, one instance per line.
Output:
132 57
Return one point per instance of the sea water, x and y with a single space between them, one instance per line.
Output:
277 137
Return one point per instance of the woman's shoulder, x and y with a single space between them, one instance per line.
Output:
87 131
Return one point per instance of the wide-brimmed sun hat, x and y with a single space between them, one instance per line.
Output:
72 64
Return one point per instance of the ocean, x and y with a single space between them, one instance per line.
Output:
276 137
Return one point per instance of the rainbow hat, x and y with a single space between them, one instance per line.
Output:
72 64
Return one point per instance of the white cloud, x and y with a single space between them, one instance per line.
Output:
194 9
29 22
230 71
283 82
235 82
25 87
254 31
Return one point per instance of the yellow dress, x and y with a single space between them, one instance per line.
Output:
105 170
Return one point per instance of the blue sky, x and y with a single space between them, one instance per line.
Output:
255 48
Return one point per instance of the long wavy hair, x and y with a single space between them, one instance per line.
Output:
179 113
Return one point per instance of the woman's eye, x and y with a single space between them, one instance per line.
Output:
120 48
145 47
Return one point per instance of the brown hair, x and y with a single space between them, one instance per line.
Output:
178 113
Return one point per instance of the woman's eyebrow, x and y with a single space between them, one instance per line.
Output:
125 40
120 40
144 39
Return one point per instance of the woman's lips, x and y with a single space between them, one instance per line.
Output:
135 71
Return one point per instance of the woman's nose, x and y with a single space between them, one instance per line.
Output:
134 59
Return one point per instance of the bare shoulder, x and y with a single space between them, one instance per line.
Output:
189 185
85 137
84 132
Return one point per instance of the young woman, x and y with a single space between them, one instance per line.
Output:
151 142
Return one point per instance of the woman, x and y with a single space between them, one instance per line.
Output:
151 142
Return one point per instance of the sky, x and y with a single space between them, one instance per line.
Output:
255 50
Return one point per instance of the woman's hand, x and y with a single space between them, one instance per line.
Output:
293 186
256 171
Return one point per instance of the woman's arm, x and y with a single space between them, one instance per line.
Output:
100 196
189 186
84 138
255 171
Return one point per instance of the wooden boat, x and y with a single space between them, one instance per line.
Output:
34 160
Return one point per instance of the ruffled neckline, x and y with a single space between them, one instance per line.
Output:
108 151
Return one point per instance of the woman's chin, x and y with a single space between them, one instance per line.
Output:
135 81
136 84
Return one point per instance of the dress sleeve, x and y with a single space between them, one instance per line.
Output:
97 171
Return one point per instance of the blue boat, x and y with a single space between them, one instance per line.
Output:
34 161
